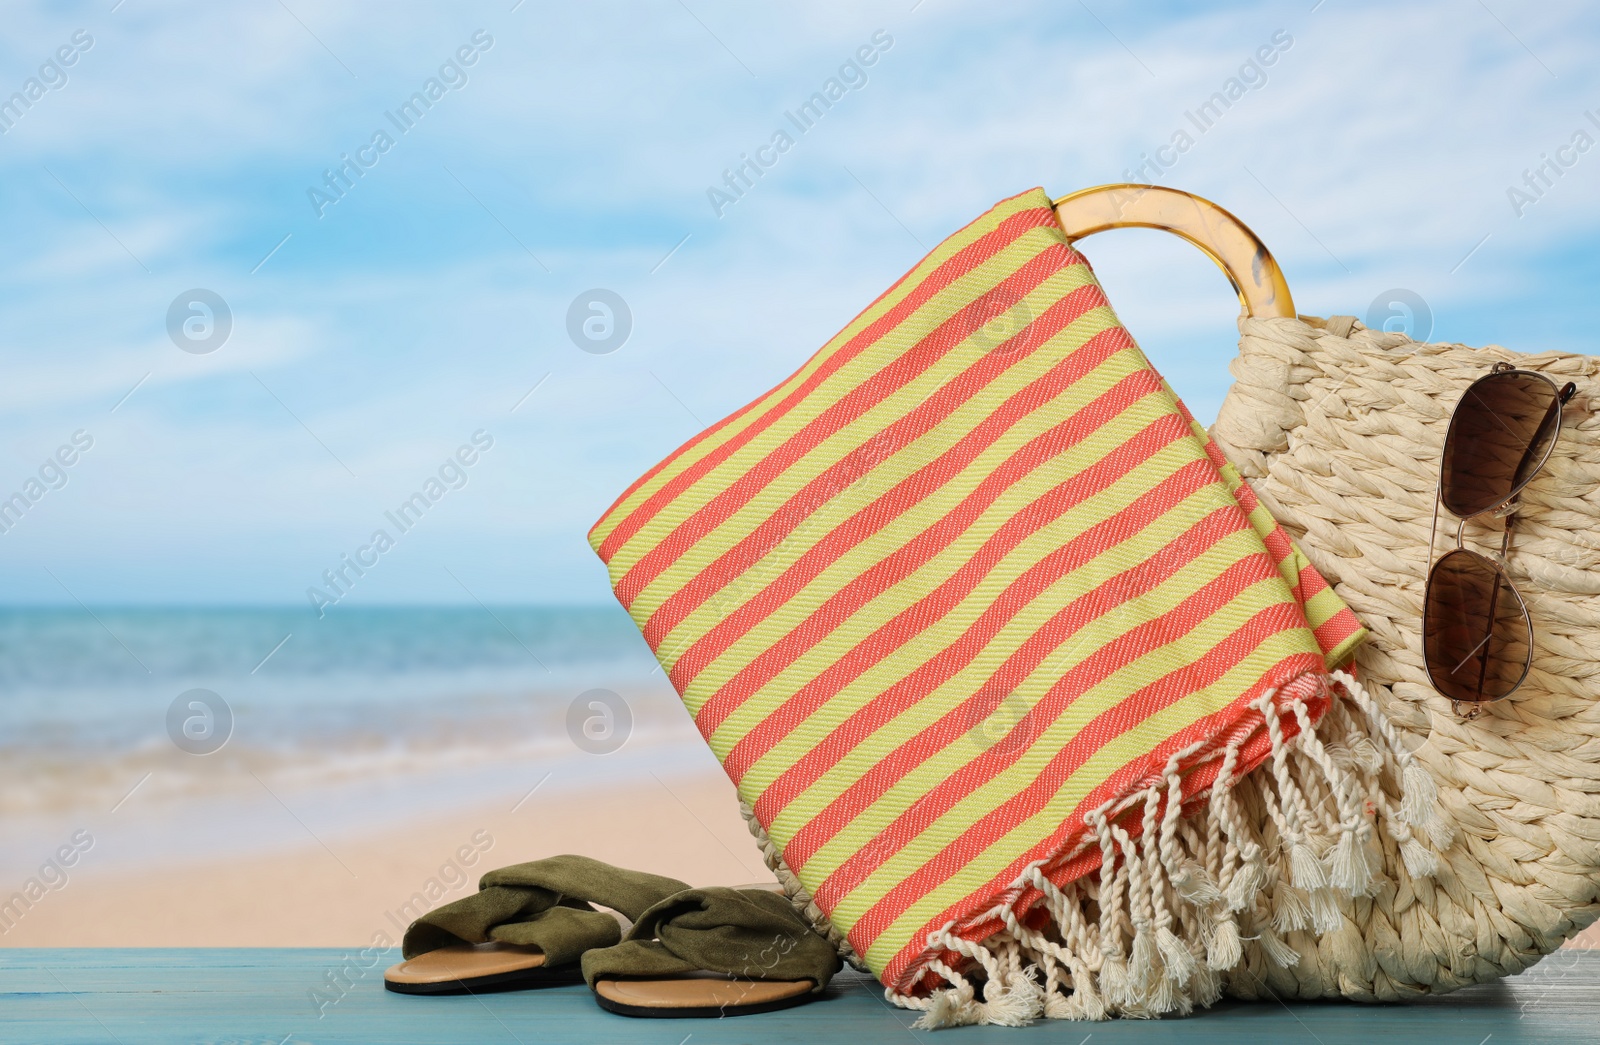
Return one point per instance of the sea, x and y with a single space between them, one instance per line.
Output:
234 716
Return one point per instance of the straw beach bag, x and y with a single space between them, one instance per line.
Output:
1338 429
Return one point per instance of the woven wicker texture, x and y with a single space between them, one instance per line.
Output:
1338 428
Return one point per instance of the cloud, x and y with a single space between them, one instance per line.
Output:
418 308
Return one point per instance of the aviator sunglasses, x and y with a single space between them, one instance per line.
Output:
1477 637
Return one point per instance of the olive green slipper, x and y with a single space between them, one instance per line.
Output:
527 926
710 953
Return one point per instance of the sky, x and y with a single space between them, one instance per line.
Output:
265 358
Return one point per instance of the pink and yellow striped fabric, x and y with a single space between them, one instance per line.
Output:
970 573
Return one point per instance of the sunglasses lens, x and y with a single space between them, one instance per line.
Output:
1501 431
1475 632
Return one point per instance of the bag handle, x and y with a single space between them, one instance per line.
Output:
1226 240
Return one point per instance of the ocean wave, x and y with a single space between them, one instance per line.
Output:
48 783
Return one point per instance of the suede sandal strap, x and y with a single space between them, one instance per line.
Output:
747 934
544 904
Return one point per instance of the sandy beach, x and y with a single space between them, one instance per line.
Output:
358 887
361 890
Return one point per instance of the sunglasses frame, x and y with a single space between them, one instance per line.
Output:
1504 509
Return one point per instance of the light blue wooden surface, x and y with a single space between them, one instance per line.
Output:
132 997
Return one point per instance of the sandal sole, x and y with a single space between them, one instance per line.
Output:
664 1012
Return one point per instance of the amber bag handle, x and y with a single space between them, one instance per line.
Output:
1240 254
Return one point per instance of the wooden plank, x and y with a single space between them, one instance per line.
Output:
131 997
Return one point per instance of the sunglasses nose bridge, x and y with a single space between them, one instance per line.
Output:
1508 512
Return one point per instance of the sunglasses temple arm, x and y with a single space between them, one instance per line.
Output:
1552 413
1563 396
1433 526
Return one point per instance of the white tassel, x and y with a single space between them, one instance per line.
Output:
1325 916
1170 910
1087 999
1195 886
1350 873
1290 909
1164 997
1114 981
1012 1004
1278 952
1179 963
1419 796
1305 870
1419 802
1142 963
1207 986
948 1008
1365 754
1081 1001
1419 806
1420 862
954 1006
1226 949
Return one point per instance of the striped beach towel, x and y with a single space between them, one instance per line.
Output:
975 615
